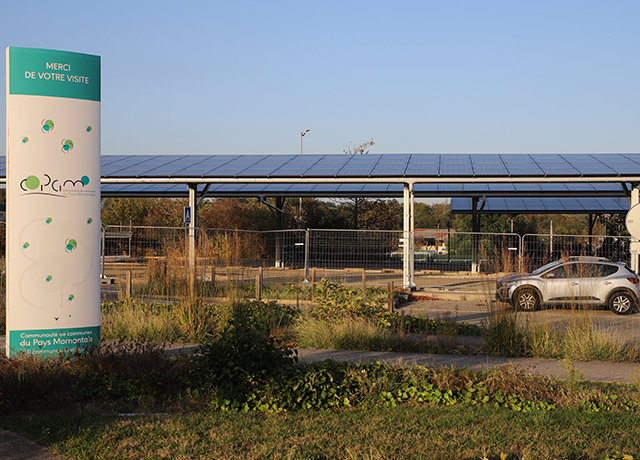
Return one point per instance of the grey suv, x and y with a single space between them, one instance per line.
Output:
576 281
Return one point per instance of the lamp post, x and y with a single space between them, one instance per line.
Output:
302 134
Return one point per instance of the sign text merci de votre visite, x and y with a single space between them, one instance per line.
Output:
47 75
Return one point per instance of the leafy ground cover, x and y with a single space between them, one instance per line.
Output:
245 396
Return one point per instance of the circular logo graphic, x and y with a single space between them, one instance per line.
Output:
47 126
25 245
70 245
32 182
89 220
25 139
71 297
84 180
48 221
48 278
88 128
67 145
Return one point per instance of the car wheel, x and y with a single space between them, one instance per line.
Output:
527 300
621 303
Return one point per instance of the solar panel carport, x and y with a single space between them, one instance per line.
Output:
476 177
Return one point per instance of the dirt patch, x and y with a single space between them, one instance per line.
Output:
421 297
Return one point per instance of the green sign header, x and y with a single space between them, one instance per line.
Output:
38 72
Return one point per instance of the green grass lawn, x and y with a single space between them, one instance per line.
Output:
380 433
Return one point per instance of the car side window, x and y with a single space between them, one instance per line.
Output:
585 270
556 273
608 270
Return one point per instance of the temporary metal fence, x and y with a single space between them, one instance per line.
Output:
292 256
538 250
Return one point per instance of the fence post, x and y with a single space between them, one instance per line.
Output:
213 279
127 288
102 246
364 285
259 284
258 288
306 254
313 284
521 268
390 300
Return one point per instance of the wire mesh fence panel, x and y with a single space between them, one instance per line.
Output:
238 256
368 249
278 249
154 259
538 250
459 251
158 262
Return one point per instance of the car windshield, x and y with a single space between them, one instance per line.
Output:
544 268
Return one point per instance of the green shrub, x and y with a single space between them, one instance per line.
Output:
244 357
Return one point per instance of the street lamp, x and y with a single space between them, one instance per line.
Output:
302 134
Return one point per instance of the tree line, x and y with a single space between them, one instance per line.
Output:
348 213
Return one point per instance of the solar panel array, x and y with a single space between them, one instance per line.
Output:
548 205
369 166
451 175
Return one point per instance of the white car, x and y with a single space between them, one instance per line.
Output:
581 281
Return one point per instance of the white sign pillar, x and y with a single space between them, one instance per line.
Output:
53 201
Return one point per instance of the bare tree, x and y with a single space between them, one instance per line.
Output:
358 206
361 149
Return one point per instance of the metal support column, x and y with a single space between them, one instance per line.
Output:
408 280
634 199
193 192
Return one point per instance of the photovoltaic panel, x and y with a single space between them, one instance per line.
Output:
555 165
587 165
501 187
297 166
206 166
424 165
122 166
236 166
487 165
359 165
450 188
377 187
622 163
520 165
266 166
472 187
423 189
158 166
455 165
329 166
349 188
391 165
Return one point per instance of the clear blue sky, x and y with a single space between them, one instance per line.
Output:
472 76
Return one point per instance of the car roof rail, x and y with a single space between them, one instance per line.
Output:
589 258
